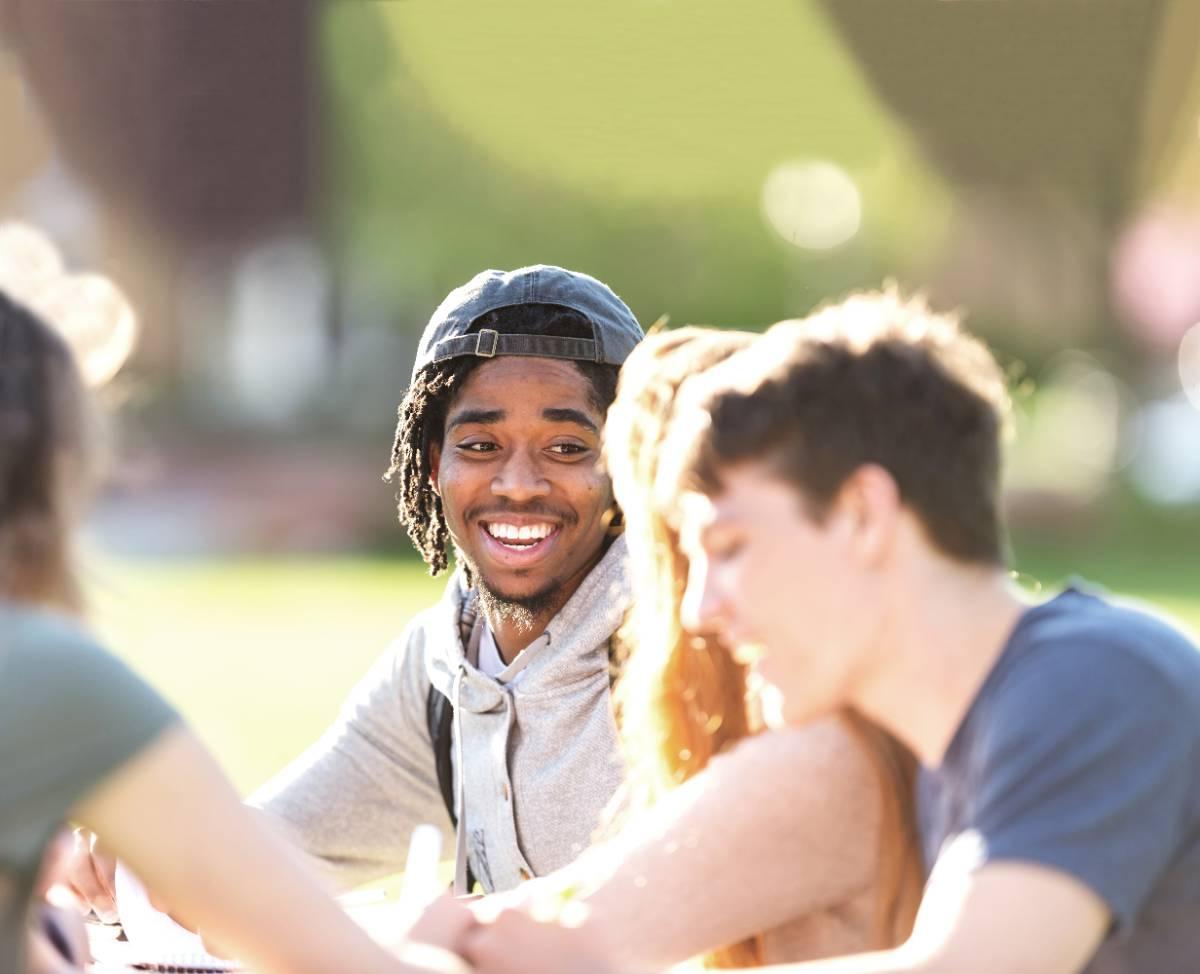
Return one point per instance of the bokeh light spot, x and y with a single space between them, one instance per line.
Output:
814 205
1189 364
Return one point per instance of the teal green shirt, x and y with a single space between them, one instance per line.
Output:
70 715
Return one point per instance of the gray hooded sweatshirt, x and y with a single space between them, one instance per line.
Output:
536 762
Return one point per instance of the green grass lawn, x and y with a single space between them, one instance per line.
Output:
259 654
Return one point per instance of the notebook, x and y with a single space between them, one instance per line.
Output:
155 941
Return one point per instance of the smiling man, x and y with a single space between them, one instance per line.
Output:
494 704
491 714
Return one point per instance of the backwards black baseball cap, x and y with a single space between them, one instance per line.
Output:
615 331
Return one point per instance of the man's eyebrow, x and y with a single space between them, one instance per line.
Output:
469 416
575 416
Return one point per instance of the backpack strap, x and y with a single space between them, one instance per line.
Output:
439 718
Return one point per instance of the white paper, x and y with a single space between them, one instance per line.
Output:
155 936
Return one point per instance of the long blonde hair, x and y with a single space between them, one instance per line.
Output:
46 460
682 699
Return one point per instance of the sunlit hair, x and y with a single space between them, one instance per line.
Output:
876 379
682 699
47 435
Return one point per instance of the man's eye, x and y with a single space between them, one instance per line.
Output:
568 449
724 550
483 446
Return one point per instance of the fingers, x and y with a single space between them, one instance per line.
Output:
65 928
444 923
55 862
45 958
57 942
91 875
431 960
516 943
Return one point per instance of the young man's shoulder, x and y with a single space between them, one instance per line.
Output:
1081 753
1080 646
435 628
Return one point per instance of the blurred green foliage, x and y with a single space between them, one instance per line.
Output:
631 141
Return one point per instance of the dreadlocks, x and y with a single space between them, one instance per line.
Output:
421 418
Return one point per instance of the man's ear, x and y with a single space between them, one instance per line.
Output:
869 506
435 464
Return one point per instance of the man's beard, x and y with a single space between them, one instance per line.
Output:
522 611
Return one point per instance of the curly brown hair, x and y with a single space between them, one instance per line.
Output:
875 379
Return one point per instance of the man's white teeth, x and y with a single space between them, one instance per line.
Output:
526 532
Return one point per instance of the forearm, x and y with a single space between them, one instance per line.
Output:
172 816
332 872
1003 917
350 802
352 799
877 962
798 842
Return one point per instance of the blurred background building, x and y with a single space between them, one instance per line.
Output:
285 191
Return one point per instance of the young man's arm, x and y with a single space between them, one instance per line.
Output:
352 800
779 830
1005 917
349 802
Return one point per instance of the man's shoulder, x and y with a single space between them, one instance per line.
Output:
429 647
1080 662
437 622
1079 642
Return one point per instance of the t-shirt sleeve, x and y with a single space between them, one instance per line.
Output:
1084 769
70 714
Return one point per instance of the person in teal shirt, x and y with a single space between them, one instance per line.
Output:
82 738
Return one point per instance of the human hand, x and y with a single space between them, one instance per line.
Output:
513 942
444 923
90 874
57 941
433 943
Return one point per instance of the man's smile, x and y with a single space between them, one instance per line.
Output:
520 535
516 545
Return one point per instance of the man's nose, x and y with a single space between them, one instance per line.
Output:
521 478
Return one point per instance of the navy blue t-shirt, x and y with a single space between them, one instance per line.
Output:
1081 752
